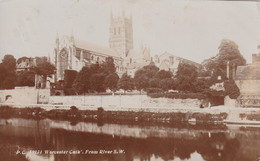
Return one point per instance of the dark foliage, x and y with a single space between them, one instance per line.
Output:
231 89
228 52
25 78
186 77
69 77
126 82
7 72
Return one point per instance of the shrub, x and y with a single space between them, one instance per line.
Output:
74 108
154 90
231 89
178 95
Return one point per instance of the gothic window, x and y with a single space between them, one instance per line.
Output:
97 58
130 60
92 58
114 31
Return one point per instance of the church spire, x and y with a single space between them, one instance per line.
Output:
123 13
49 58
111 15
72 35
57 41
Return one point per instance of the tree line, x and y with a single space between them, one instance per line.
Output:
10 77
99 77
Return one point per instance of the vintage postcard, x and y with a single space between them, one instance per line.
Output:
129 80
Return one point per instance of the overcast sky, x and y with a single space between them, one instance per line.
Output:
189 29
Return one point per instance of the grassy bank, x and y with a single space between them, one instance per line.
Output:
101 116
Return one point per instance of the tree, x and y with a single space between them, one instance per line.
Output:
125 82
7 72
154 82
45 69
228 52
69 78
108 66
97 81
111 81
167 84
143 75
186 76
82 82
9 62
25 78
231 89
162 74
201 85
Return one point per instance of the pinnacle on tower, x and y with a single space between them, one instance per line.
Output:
111 15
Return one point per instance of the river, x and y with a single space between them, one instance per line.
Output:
50 140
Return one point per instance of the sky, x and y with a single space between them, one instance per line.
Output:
188 29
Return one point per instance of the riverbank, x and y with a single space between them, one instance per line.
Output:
218 114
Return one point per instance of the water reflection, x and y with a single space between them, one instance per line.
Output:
33 140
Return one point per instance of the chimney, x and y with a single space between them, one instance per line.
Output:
233 71
254 58
227 69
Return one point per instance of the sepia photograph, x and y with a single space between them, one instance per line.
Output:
129 80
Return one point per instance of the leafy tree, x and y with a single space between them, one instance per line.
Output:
25 78
111 81
231 89
162 74
97 77
143 75
82 82
201 85
7 72
69 77
9 62
228 52
126 82
154 82
45 69
186 76
166 84
97 81
108 66
96 68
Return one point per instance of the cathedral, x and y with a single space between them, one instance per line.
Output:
73 54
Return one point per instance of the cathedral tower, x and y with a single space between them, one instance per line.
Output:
121 34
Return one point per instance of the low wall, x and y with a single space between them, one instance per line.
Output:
228 102
123 101
25 95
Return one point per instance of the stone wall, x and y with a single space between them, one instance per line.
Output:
249 93
123 101
228 102
25 95
248 87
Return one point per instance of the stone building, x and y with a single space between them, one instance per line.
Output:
28 63
248 81
169 62
136 59
74 54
